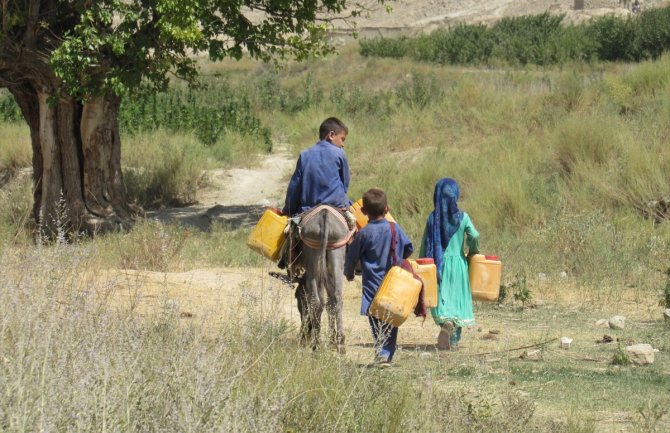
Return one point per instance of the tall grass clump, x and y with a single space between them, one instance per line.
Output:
162 169
16 201
15 150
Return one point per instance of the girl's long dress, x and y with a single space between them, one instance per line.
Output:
454 303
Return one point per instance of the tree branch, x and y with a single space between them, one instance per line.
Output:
517 348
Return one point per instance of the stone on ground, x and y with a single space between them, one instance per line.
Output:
641 354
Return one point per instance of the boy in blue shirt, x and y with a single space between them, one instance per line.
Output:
321 174
372 246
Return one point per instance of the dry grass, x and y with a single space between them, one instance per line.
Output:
215 349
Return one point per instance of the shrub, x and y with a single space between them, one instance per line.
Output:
464 44
652 37
526 39
384 47
536 39
615 38
419 91
9 109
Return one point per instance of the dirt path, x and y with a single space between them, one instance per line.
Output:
236 197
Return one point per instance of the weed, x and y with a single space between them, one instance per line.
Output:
519 289
651 416
419 91
620 357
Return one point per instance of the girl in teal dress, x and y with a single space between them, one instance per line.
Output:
443 241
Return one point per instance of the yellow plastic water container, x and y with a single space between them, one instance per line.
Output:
426 270
361 218
267 237
397 296
484 275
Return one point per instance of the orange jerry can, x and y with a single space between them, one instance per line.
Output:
426 270
484 272
361 218
396 298
268 236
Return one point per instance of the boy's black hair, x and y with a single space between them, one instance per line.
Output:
375 203
332 124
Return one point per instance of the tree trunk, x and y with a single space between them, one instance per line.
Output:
77 179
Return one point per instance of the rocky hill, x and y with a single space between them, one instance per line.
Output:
417 16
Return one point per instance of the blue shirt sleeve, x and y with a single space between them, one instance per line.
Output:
345 175
353 255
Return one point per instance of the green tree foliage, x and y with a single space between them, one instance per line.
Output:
117 45
68 65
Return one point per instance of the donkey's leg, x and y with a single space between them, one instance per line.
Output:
314 303
335 304
303 307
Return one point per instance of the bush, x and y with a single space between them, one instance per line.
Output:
463 45
536 39
652 33
9 109
615 38
384 47
527 39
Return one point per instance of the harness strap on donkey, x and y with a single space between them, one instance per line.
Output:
312 213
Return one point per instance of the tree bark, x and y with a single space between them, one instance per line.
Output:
77 178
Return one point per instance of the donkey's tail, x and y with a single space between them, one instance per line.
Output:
322 266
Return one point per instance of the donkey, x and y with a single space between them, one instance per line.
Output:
324 233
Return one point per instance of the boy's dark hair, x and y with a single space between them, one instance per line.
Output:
374 203
331 124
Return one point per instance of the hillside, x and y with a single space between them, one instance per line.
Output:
415 16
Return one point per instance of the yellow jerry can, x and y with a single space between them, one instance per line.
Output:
426 270
484 272
397 296
268 236
361 218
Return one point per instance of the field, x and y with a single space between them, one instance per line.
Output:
176 326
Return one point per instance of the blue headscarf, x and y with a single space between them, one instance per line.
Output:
443 222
